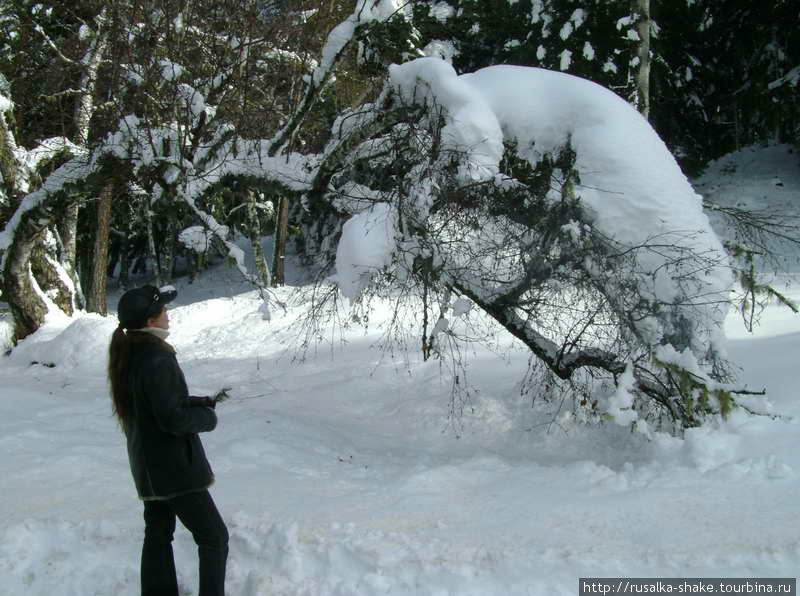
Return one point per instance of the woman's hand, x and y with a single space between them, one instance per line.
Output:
202 400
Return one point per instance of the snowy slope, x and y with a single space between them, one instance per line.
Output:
342 474
765 179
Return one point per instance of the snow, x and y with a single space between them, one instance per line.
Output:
578 17
472 127
620 403
346 472
193 99
566 60
461 306
342 474
366 11
170 70
441 11
366 245
748 179
196 238
792 77
443 49
630 185
629 180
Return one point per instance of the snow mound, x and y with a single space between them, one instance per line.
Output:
757 178
629 180
366 246
81 346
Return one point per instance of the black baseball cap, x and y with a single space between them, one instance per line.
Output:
139 304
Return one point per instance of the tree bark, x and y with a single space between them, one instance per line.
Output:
20 288
49 273
168 246
254 229
281 234
8 163
67 229
123 258
96 297
643 26
151 246
82 115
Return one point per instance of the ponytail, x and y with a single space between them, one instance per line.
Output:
118 352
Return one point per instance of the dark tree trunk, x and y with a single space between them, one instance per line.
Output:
281 233
96 296
124 260
151 247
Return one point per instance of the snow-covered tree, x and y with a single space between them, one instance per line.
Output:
550 204
718 73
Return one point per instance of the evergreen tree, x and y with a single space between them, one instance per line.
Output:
719 76
594 39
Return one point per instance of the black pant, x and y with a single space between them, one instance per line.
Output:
198 513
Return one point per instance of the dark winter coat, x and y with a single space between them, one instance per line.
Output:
166 456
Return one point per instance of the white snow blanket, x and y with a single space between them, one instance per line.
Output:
343 475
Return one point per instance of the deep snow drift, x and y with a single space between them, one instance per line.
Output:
343 474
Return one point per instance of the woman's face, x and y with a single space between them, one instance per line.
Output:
161 320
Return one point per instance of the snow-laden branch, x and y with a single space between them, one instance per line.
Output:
338 41
790 78
73 172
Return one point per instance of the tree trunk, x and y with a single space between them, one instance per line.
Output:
254 229
124 265
151 246
281 233
67 229
96 296
8 163
82 115
49 273
643 26
168 245
20 288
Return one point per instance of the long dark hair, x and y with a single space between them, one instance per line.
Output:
118 355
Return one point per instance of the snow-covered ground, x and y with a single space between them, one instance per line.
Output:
343 473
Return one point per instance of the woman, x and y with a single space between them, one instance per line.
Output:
161 422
